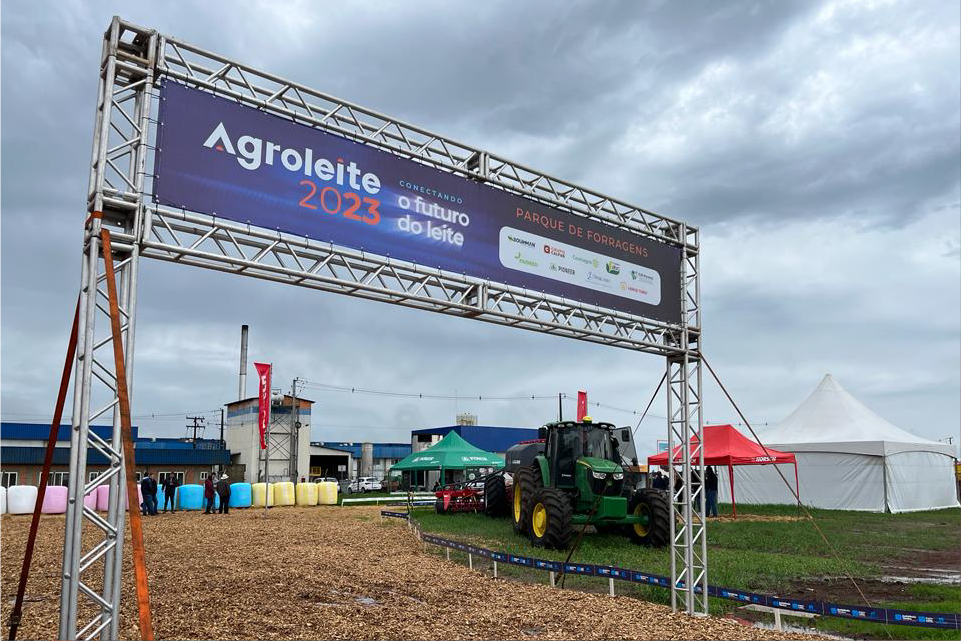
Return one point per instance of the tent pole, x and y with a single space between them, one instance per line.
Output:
884 479
730 473
797 486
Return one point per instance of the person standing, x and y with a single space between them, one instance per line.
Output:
660 481
148 487
209 494
711 486
170 485
223 489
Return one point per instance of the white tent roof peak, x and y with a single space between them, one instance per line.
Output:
830 414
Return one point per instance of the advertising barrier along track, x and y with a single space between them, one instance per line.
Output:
842 611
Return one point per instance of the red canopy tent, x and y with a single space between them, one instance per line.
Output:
724 445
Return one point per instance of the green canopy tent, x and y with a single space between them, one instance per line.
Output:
451 453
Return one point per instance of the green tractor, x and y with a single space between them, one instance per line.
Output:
576 478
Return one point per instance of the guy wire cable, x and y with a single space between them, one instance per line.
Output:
807 512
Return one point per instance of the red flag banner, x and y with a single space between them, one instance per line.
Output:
263 401
581 405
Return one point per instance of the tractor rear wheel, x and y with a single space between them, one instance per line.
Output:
523 486
550 518
439 506
655 506
495 495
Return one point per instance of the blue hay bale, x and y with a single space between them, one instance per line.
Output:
190 497
240 495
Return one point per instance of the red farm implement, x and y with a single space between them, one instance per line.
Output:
461 497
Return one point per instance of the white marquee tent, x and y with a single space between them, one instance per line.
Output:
850 458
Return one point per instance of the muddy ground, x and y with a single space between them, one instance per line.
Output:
940 567
303 573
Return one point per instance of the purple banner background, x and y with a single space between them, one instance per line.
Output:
213 180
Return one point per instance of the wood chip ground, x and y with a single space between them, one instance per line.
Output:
329 573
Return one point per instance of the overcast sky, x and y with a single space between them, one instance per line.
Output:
816 144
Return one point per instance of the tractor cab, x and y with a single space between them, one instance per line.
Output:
587 447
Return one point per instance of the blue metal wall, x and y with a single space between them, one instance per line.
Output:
487 437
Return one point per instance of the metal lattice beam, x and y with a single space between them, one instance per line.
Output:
202 241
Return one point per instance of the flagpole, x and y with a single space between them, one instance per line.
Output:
267 454
263 423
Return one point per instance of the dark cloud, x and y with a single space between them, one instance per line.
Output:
816 143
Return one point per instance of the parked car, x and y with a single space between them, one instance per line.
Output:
365 484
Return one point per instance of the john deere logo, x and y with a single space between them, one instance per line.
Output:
524 261
612 267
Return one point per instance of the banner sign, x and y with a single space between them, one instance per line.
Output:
581 405
263 402
219 157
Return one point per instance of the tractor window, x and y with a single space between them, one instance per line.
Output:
568 448
597 442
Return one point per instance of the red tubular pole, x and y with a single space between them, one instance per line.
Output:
15 615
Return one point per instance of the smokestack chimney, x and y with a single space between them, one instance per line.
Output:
242 388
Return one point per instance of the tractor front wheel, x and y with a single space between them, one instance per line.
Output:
495 495
654 508
550 518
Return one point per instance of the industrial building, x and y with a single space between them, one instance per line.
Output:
486 437
359 459
289 444
23 445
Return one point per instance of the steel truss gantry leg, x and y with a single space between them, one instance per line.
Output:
92 560
685 432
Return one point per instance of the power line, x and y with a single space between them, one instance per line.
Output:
164 416
425 396
456 397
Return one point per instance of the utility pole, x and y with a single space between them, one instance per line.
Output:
560 407
198 424
223 444
294 431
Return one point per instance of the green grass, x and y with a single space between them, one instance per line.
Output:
762 556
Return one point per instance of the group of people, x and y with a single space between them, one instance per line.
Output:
149 487
222 489
659 481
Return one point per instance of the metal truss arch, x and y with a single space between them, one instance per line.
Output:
133 61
